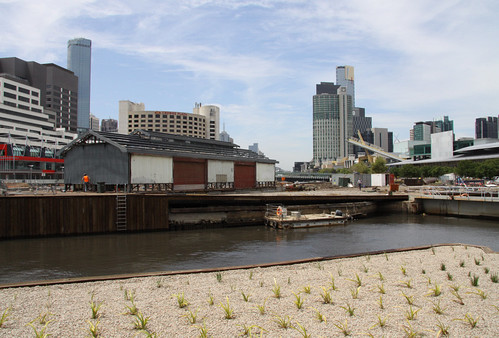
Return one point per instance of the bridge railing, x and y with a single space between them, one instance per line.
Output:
461 192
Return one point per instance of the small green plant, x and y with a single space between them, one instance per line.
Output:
470 320
436 291
443 330
41 333
298 301
355 292
219 277
248 330
251 275
381 322
340 271
289 280
474 280
386 256
410 332
477 261
276 290
343 327
159 283
365 268
461 264
130 295
283 322
381 288
319 266
449 276
494 278
211 299
93 329
411 313
437 308
140 321
458 299
432 250
423 271
320 317
455 287
409 299
228 311
261 283
407 284
380 302
307 289
486 270
203 330
403 270
480 293
333 285
191 316
181 301
95 307
442 267
326 296
246 297
349 309
301 329
261 308
5 315
357 280
381 277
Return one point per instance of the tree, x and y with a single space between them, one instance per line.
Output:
361 168
379 166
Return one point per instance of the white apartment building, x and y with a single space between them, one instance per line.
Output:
22 120
202 123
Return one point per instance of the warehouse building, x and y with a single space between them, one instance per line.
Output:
146 160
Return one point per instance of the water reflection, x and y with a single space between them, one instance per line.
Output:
49 258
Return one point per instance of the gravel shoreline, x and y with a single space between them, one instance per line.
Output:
355 285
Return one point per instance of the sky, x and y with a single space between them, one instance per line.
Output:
259 60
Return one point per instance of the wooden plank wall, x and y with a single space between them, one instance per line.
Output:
33 216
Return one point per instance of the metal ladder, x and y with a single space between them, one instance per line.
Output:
121 212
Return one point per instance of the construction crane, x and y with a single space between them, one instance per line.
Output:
369 157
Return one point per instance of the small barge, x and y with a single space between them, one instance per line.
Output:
277 217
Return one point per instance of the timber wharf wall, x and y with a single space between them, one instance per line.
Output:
60 214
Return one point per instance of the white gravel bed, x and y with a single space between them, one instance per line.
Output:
68 306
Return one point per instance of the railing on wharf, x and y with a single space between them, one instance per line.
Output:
489 194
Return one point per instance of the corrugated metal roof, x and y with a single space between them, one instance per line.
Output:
148 142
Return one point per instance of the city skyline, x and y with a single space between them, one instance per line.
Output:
260 60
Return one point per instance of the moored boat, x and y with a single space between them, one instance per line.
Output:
278 217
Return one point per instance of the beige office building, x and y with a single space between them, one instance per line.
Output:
203 123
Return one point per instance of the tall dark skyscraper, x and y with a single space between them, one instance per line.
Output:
486 127
79 62
332 122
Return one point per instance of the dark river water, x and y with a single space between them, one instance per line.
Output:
50 258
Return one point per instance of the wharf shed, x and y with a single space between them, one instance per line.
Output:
165 162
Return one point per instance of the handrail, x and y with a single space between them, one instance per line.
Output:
461 192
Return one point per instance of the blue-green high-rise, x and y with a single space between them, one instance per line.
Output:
79 62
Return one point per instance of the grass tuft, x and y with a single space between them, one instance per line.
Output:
283 322
246 297
343 327
494 277
349 309
276 290
228 311
474 280
326 296
5 315
320 317
181 301
298 301
140 321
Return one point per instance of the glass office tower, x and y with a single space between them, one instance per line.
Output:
79 60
